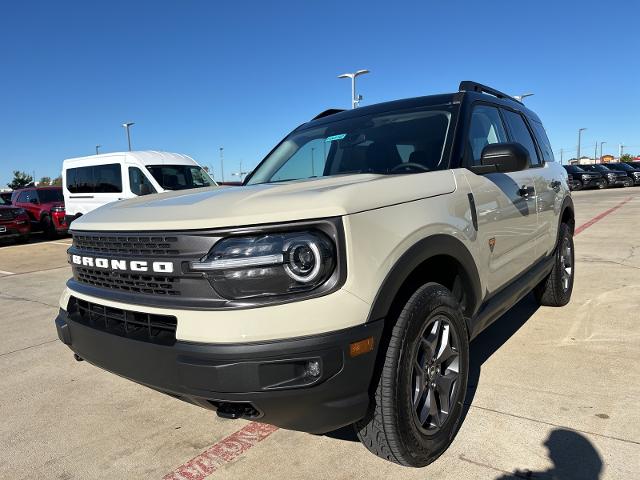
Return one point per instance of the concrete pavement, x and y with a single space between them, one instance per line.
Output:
552 391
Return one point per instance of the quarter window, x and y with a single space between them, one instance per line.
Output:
521 134
543 142
485 129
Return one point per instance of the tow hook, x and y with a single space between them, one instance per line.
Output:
78 357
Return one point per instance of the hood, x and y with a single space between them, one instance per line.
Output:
219 207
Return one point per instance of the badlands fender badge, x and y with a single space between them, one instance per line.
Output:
492 243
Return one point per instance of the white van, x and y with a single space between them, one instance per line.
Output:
90 182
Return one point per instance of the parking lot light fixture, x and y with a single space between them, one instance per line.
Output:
126 127
580 130
97 149
355 100
522 97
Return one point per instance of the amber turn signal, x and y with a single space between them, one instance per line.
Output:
361 347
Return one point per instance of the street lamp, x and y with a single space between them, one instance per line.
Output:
221 164
97 148
126 127
580 130
355 101
522 97
601 154
241 173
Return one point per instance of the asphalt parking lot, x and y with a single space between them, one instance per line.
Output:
553 392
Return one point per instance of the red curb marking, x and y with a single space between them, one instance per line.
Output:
237 443
597 218
222 452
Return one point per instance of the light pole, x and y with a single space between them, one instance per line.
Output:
580 130
241 173
355 100
126 127
97 148
522 97
601 154
221 164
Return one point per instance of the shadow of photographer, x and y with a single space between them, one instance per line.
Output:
573 457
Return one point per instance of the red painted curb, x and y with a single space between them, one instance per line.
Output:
597 218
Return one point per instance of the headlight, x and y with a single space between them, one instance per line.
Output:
269 264
585 176
611 175
57 209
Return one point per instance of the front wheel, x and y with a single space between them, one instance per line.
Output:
419 395
555 290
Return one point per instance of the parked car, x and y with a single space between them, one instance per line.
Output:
14 222
634 164
632 172
90 182
45 207
613 178
579 178
334 289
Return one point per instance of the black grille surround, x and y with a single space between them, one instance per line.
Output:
146 327
181 288
7 214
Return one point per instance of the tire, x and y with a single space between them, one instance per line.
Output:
48 227
628 183
555 290
392 428
602 185
578 185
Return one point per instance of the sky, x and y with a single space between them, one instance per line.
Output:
195 76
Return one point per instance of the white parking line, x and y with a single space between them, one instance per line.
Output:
61 243
3 272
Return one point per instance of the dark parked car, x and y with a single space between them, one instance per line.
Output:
613 177
634 164
14 222
45 206
632 171
579 178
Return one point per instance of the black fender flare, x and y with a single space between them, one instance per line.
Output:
423 250
567 203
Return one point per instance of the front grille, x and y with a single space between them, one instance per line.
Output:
147 327
127 244
128 282
6 214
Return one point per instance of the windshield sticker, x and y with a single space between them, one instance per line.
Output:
333 138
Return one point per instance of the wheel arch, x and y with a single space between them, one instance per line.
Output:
438 258
567 215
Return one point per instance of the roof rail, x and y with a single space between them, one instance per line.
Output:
471 86
328 112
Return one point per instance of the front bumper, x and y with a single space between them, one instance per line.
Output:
593 182
266 379
14 228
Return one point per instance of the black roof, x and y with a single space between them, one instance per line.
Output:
480 92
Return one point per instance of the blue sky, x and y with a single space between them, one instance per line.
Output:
197 75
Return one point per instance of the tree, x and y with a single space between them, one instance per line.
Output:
45 181
20 180
57 182
626 158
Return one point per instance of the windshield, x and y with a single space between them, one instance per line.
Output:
574 169
384 143
3 202
50 195
180 177
624 166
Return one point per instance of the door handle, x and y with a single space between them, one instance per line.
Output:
526 191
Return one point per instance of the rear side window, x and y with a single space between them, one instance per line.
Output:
95 179
139 183
543 142
485 129
26 197
521 134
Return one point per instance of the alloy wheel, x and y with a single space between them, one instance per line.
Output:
435 373
566 264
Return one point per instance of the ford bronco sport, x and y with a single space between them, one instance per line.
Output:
343 282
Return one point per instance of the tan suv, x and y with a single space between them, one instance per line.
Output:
343 282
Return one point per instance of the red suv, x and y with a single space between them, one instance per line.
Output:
14 222
45 206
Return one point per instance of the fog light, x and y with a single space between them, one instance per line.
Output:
313 368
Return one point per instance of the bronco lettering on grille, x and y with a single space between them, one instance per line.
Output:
115 264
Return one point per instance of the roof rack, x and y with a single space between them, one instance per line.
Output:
471 86
328 112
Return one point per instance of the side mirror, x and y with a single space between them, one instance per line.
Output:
503 158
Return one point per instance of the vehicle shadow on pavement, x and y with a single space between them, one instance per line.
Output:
481 349
572 455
